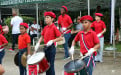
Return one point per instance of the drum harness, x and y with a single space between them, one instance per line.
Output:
90 57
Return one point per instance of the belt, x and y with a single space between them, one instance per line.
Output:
1 49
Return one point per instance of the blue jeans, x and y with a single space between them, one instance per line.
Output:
2 53
50 53
90 67
22 69
66 36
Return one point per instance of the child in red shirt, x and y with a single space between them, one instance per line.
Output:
50 34
3 42
23 46
89 43
100 29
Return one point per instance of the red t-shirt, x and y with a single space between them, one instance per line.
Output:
23 40
1 30
90 39
98 26
2 40
50 32
64 21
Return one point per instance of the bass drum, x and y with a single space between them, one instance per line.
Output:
40 59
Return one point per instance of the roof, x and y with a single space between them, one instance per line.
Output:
72 5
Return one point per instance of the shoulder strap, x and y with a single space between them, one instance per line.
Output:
84 42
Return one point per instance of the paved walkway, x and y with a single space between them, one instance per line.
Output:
108 67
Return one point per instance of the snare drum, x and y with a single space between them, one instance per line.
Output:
76 66
40 59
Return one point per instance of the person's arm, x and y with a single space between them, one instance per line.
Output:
34 28
58 39
73 43
28 48
4 44
70 26
40 40
97 46
38 44
1 70
104 30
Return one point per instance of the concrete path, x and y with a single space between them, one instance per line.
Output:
108 67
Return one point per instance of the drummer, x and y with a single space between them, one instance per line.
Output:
24 42
89 43
100 29
50 34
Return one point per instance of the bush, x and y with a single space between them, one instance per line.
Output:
7 22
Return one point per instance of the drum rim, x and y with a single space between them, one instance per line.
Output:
76 70
38 61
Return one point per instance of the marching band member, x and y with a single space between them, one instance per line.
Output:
89 43
50 34
24 43
3 42
65 22
100 29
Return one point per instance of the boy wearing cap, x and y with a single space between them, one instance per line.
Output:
65 23
89 43
50 34
24 42
100 29
3 42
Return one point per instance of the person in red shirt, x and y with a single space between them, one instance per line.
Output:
24 42
65 23
89 43
50 34
3 42
100 29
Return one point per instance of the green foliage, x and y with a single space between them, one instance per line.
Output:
7 22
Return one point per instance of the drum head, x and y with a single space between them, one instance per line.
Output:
74 66
35 58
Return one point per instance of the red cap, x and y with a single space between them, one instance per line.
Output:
24 24
65 8
98 14
50 14
86 17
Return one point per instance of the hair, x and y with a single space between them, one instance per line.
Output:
24 26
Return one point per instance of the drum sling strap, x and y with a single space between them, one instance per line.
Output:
90 57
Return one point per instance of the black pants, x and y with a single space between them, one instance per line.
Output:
71 39
32 37
14 40
50 53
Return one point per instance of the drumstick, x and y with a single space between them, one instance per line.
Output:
83 57
72 57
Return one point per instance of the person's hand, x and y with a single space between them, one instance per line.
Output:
91 51
63 28
37 47
99 35
28 56
71 51
49 43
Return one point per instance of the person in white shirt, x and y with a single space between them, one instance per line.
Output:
34 30
15 23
